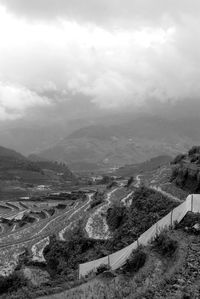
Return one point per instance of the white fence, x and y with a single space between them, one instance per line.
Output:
117 259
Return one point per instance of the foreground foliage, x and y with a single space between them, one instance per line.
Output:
135 262
11 283
165 245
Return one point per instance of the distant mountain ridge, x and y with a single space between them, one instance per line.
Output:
6 152
14 165
115 144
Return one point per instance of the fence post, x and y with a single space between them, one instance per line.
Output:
171 218
109 260
78 271
192 203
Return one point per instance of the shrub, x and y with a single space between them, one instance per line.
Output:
194 159
165 245
115 217
194 150
178 158
102 268
11 283
135 262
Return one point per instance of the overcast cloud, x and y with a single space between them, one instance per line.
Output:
117 53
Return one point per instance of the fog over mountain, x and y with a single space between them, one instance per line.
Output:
65 65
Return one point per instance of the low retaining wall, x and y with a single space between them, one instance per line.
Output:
118 258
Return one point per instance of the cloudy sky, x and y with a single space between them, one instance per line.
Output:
110 54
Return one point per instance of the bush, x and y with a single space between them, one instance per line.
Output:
135 262
115 217
194 150
165 245
102 268
178 158
11 283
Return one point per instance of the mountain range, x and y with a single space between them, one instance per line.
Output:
117 142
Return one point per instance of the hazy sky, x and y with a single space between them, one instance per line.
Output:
114 53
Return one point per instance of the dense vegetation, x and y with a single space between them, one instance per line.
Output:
11 283
115 217
63 258
186 170
147 207
135 261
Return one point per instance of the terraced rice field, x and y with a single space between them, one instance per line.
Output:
29 225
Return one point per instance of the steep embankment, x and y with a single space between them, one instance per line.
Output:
186 170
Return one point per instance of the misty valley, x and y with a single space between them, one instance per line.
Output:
99 149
